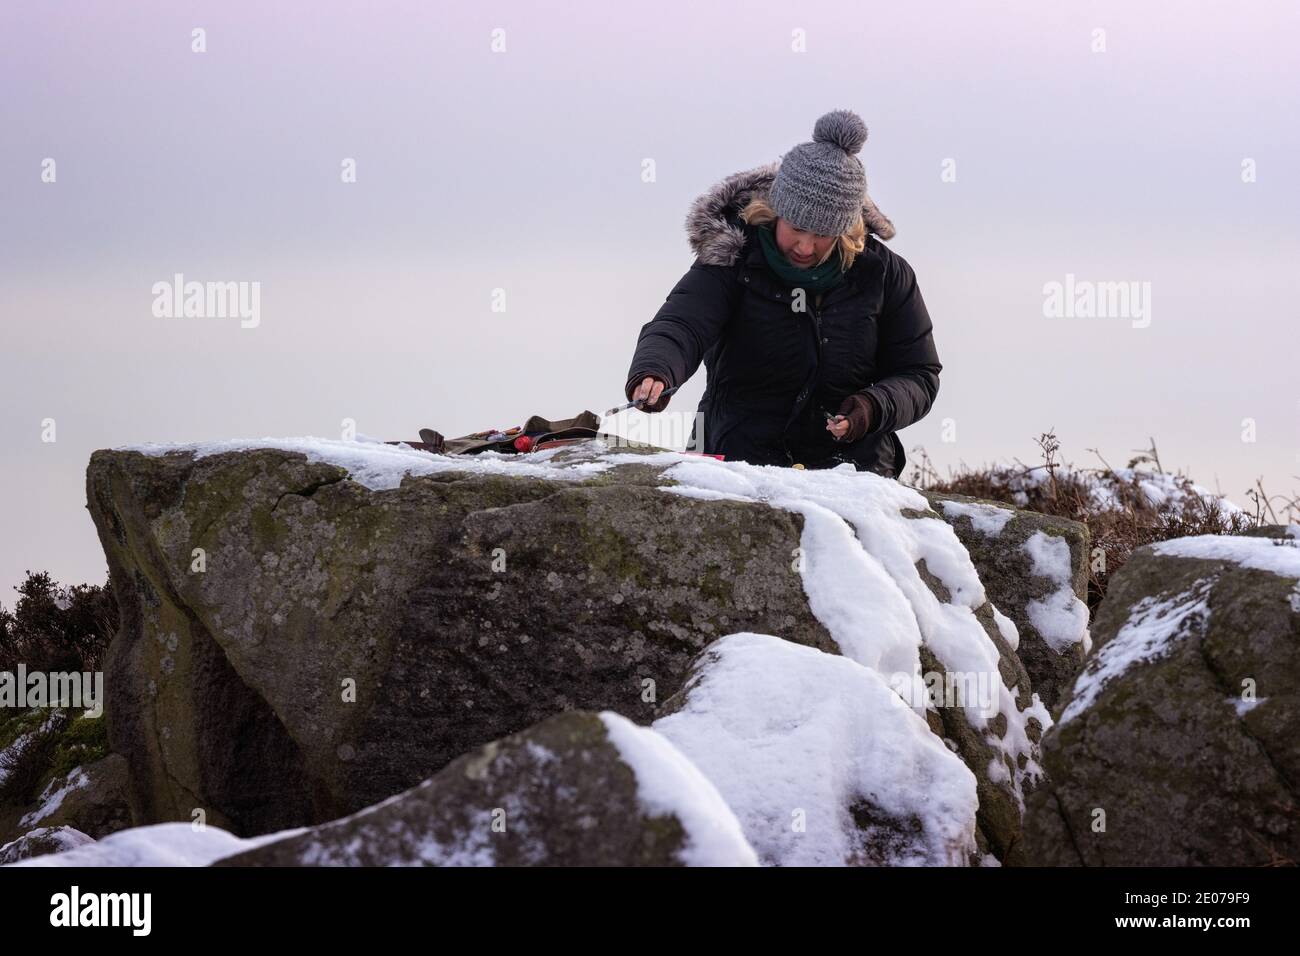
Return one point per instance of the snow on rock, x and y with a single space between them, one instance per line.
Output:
579 788
41 841
1007 628
1060 617
1262 554
859 569
1280 556
987 519
405 829
1152 627
380 467
860 561
871 621
1050 555
1243 705
860 551
796 739
53 798
668 783
163 844
1153 624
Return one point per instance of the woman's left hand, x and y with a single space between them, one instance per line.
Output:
856 417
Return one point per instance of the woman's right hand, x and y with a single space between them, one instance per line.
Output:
648 393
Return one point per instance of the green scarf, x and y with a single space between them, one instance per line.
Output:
817 279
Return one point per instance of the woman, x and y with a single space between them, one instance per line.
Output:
815 338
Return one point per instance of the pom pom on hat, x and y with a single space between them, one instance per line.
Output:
844 128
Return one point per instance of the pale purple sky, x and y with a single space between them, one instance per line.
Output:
522 170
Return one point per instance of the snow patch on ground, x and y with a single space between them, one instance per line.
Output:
1160 490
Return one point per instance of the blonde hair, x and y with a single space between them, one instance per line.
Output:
757 212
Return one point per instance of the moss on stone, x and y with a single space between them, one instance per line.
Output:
608 552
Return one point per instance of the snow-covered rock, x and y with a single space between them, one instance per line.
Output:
42 841
161 844
366 638
578 789
1034 568
367 613
92 798
1179 742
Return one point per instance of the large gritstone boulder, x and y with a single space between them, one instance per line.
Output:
310 627
1180 742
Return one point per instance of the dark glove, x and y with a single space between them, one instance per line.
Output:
636 380
861 411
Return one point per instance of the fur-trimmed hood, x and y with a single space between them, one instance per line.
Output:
718 241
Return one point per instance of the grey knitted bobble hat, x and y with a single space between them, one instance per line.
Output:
820 186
